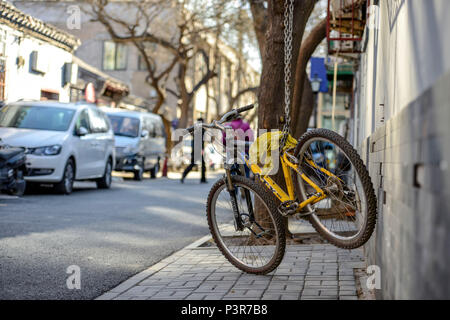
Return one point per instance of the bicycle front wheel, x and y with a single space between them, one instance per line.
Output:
255 242
347 216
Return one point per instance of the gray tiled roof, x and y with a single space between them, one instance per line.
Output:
21 21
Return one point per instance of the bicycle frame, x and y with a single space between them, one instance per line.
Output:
284 196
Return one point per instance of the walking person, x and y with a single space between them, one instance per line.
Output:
191 166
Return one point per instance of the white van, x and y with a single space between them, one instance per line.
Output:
140 141
63 141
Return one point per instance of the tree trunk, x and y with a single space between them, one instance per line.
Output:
184 96
271 93
167 130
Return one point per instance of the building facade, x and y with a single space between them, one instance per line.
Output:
33 57
401 126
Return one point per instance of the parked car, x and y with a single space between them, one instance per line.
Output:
63 141
140 141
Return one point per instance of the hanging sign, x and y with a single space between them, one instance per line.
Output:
89 93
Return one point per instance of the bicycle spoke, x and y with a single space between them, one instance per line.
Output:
253 246
341 213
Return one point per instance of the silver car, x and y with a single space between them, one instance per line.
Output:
140 141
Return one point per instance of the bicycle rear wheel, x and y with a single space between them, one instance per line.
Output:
347 216
256 246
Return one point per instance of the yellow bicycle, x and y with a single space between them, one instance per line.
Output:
326 184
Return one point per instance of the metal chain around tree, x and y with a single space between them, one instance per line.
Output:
288 27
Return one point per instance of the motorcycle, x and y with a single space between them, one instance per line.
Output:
12 170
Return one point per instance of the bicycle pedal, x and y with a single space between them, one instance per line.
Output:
288 208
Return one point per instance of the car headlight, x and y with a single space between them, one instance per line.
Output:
46 151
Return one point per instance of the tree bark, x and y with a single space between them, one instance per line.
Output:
184 96
271 93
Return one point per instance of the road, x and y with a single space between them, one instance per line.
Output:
110 234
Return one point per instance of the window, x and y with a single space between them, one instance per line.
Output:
49 95
150 50
124 126
141 64
98 123
154 127
149 126
114 56
83 121
159 130
38 118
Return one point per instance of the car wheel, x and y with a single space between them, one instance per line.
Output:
139 174
66 184
105 181
154 171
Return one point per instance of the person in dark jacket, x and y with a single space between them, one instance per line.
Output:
191 166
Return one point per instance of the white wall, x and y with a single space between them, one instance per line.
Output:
22 82
405 56
406 68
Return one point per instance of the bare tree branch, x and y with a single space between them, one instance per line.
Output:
240 93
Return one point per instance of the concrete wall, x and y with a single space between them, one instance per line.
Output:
24 83
405 68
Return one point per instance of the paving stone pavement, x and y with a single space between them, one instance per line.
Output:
307 272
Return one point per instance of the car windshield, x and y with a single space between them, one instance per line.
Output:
36 117
124 126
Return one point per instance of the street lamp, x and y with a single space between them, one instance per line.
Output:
315 85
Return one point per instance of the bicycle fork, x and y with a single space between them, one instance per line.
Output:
239 223
232 191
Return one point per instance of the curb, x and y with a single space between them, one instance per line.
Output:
127 284
198 243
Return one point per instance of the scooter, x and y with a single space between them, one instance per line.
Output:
12 170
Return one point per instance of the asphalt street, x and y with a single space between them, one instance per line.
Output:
109 234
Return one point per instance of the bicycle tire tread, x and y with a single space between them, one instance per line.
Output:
279 224
365 180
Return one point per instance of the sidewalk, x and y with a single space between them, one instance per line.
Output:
308 272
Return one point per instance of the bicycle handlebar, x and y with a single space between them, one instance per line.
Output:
245 108
230 115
